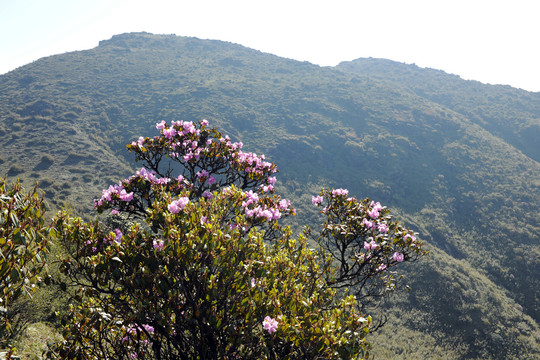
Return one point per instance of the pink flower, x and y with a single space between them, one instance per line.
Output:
203 173
337 192
284 204
124 196
236 146
251 198
376 206
370 245
158 246
398 257
373 213
316 200
381 267
409 236
252 282
267 214
177 205
148 175
211 180
383 228
188 156
169 133
204 122
368 224
208 195
118 237
148 328
270 324
276 214
114 212
160 125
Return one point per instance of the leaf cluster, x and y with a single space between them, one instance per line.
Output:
24 245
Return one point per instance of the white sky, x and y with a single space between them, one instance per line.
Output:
496 42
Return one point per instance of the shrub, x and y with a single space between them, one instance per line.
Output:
200 267
23 244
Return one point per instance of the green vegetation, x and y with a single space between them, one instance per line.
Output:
457 160
23 245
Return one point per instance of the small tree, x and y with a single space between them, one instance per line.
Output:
206 270
23 245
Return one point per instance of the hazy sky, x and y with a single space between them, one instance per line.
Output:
493 41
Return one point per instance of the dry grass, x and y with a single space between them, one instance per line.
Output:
34 343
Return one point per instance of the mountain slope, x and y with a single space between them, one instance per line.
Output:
506 112
465 182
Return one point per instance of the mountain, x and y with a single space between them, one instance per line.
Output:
458 161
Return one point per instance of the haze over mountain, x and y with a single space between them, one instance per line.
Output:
457 160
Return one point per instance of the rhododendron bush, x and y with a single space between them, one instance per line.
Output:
23 247
199 266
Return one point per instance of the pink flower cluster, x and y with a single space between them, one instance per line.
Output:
372 245
183 128
254 163
132 331
177 128
284 204
398 257
375 210
270 324
271 181
270 213
176 205
112 192
139 142
119 189
252 198
150 176
118 237
192 150
340 192
368 224
158 245
383 228
204 175
409 236
373 214
316 200
226 140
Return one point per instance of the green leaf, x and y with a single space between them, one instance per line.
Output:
14 218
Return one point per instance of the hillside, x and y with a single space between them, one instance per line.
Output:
457 160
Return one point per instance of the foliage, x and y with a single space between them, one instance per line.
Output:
23 245
210 273
365 242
